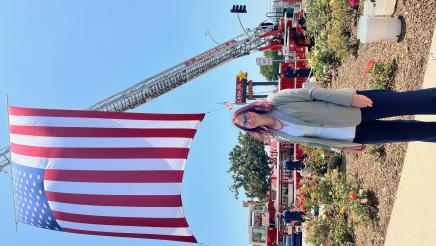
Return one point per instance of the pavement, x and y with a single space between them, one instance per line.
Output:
413 218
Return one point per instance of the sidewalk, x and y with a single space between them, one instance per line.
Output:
413 218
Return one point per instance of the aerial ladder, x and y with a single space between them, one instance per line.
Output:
161 83
184 72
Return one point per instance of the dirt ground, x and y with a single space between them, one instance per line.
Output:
411 55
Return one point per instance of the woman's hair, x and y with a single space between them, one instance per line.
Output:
260 133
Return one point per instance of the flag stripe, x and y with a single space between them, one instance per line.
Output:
102 173
121 221
176 231
119 211
116 200
101 123
99 164
189 239
101 142
114 153
114 188
101 114
90 132
114 176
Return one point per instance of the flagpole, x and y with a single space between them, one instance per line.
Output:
12 174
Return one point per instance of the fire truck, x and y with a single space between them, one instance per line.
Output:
261 224
265 228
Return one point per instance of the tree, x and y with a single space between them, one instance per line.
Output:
270 72
249 168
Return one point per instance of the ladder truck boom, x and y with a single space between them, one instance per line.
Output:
157 85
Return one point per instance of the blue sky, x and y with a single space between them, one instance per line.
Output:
71 54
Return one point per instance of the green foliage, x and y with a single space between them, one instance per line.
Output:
381 73
318 14
329 21
345 207
320 58
339 38
271 72
318 160
331 231
249 168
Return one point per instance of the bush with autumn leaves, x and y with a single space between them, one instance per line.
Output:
330 23
344 205
381 73
319 161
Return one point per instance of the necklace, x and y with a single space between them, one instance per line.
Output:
280 124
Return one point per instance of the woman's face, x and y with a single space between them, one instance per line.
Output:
248 120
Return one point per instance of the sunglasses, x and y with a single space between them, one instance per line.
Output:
246 118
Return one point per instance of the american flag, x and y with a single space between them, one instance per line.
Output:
102 173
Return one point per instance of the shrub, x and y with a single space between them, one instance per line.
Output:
318 13
381 73
329 21
339 38
320 57
345 207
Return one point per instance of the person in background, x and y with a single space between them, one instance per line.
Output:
295 73
289 216
291 164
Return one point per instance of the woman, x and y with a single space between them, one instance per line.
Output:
342 119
